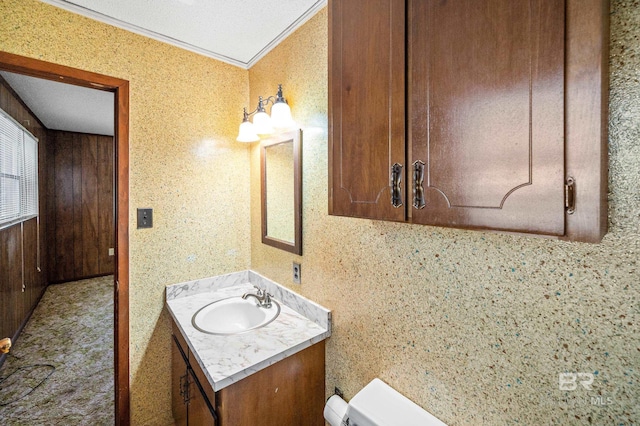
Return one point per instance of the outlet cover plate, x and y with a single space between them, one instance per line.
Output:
297 273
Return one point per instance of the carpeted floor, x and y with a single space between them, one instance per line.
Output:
68 343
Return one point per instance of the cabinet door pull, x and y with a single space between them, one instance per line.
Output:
418 189
396 180
570 195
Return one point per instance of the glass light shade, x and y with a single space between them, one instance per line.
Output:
262 123
247 133
281 116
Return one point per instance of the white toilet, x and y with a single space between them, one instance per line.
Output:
377 404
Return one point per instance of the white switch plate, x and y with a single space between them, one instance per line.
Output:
112 252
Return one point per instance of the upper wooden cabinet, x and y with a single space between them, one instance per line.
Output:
367 106
505 126
487 121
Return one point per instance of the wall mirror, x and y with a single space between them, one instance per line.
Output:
281 183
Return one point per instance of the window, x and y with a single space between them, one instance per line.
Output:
18 172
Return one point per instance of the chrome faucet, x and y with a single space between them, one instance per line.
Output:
262 297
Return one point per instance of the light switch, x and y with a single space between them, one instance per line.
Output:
145 218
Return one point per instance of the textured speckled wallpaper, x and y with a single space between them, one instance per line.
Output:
185 164
475 327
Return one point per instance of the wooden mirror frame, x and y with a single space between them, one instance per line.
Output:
295 137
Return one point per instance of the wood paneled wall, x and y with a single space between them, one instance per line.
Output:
19 243
10 280
80 193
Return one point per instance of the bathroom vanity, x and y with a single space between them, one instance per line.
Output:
272 375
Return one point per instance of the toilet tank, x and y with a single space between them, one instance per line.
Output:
378 404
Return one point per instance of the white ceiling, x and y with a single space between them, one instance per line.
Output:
239 32
62 106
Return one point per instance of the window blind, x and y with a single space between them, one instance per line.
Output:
29 198
18 172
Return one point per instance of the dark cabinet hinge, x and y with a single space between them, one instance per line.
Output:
570 195
185 392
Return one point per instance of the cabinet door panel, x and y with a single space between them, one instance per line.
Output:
486 108
288 392
178 378
199 413
366 120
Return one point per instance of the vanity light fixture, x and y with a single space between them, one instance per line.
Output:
263 124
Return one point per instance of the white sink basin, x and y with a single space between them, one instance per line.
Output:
234 315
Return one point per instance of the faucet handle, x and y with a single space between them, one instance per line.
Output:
267 300
259 290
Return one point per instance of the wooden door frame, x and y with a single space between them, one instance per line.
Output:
50 71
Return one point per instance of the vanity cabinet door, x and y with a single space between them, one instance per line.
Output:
192 398
179 377
487 114
199 411
203 398
366 108
289 392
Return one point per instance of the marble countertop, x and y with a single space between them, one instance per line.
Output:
226 359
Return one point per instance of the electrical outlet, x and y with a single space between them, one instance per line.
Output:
112 252
297 273
145 218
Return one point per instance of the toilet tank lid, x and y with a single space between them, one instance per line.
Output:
378 404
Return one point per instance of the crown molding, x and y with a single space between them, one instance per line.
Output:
80 10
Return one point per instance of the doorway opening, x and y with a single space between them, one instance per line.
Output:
120 89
